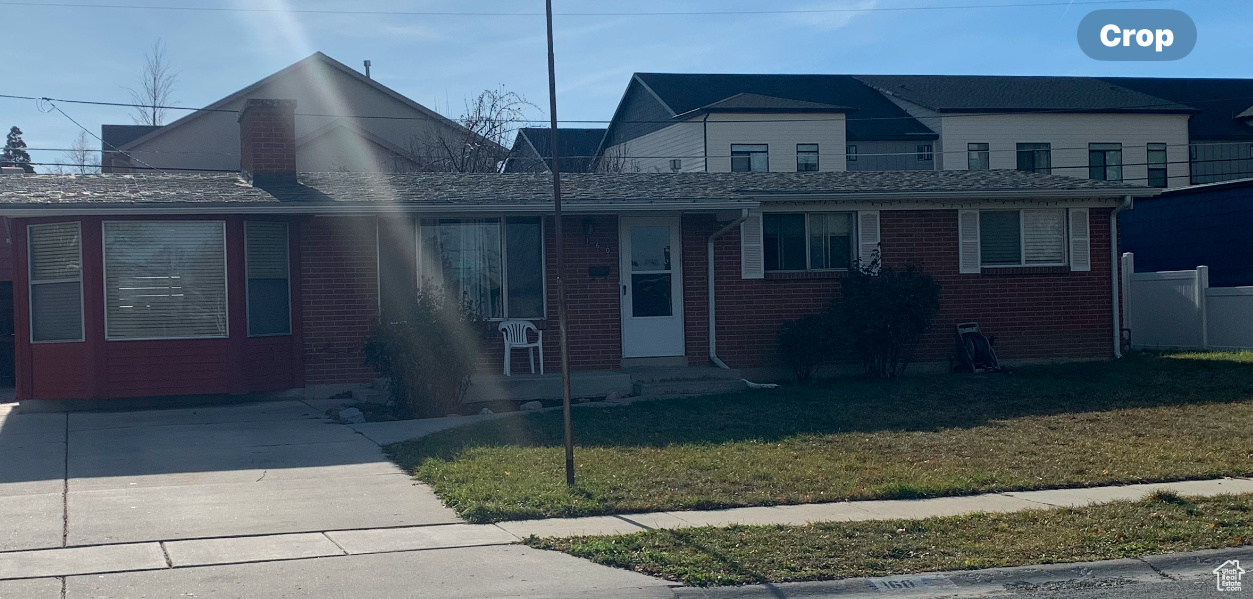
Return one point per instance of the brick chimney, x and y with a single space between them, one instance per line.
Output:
267 142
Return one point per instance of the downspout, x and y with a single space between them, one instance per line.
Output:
713 334
1114 277
705 145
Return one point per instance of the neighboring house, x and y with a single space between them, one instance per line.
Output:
1204 225
532 150
177 284
1072 126
1221 130
346 122
669 122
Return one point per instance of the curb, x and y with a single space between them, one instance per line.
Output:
1149 569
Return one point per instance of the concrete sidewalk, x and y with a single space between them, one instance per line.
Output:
173 553
853 511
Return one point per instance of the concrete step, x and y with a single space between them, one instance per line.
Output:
685 373
682 387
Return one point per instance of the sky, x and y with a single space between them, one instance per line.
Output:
94 49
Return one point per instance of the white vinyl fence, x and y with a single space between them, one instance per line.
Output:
1178 309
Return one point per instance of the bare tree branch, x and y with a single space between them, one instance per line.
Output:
488 123
81 158
156 86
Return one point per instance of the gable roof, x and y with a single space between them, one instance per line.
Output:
1221 104
342 192
746 102
877 118
315 58
116 136
996 93
577 151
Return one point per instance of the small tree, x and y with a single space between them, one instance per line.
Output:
488 124
15 153
156 87
429 356
81 158
882 313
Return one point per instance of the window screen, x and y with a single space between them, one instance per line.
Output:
1157 165
783 236
165 280
524 268
978 157
56 282
269 287
806 157
1000 240
1035 158
830 240
749 158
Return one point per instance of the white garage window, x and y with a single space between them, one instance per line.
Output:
165 280
56 282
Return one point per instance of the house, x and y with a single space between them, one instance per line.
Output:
1201 225
532 150
1221 129
347 122
1153 132
669 122
269 280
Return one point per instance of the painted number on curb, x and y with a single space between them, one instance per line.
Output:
907 584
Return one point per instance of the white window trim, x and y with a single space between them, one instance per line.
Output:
247 278
504 259
1022 241
31 282
854 248
226 280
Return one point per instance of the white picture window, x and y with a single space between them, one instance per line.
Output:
56 282
1022 237
165 280
494 264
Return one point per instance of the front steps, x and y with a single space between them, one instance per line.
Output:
655 383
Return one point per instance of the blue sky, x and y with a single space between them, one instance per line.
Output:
95 53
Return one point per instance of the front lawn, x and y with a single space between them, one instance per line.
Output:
1146 418
1164 523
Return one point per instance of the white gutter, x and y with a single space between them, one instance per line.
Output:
1014 194
1114 263
713 321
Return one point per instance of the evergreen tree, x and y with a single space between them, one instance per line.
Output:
15 153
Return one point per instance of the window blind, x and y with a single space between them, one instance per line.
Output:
165 279
56 282
1044 236
1000 237
269 306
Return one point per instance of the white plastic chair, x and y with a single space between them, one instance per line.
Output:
515 333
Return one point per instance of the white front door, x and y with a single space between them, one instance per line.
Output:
652 287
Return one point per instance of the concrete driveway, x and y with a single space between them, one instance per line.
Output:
251 469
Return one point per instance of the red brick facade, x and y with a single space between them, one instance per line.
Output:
339 289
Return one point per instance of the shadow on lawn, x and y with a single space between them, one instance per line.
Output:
918 403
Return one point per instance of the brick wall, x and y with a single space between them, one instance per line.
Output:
1033 314
267 137
339 296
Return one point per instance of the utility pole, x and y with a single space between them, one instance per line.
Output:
561 250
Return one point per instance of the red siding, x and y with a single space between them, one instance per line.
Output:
97 368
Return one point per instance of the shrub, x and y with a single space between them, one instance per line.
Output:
805 344
429 355
882 314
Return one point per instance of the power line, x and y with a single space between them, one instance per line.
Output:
671 121
415 13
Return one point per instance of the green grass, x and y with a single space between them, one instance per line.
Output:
759 554
1146 418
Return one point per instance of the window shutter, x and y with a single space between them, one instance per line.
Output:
968 236
868 237
752 259
1080 240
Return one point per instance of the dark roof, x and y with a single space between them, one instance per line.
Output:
116 136
578 146
1219 103
981 93
229 191
1207 187
758 103
877 118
